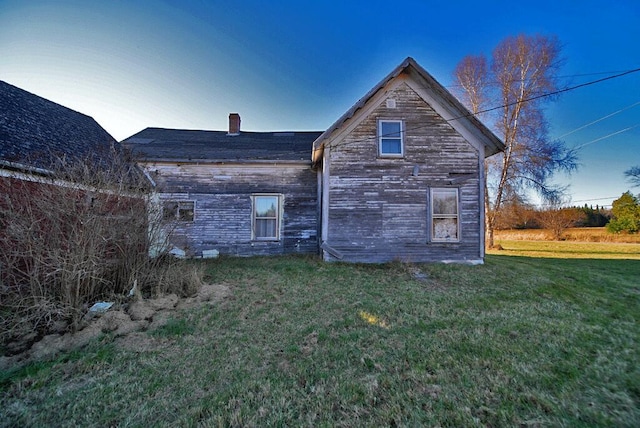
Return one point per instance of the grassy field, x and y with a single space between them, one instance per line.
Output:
568 249
515 342
577 234
580 243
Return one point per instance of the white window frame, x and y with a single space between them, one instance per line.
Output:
381 137
277 218
438 217
180 206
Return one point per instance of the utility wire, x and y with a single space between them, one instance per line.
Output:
599 120
458 85
596 199
548 94
606 136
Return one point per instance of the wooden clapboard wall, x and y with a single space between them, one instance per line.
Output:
378 206
222 196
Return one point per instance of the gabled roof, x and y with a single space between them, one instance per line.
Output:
34 129
442 101
179 145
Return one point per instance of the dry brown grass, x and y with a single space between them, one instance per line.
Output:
578 234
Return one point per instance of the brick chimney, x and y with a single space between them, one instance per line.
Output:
234 124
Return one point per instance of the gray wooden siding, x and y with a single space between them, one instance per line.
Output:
222 195
378 211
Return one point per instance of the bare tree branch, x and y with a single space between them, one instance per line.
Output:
522 68
633 175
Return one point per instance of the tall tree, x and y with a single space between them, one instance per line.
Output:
626 214
523 70
633 174
472 74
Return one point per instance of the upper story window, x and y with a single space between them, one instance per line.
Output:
445 225
390 138
266 217
178 210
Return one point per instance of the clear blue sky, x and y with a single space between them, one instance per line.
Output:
300 65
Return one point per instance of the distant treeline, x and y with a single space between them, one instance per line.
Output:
527 217
597 217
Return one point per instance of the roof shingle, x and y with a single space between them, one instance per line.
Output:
33 130
158 144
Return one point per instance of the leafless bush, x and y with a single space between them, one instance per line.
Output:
74 236
558 220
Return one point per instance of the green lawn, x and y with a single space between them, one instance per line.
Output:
515 342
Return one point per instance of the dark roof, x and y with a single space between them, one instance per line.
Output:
178 145
33 130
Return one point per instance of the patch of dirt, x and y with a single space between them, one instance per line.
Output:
310 343
127 323
428 282
209 294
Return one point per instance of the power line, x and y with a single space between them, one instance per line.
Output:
548 94
458 85
606 136
599 120
596 199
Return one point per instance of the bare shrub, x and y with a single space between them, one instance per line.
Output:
558 220
76 234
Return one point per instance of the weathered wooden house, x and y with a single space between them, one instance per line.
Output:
403 175
239 193
399 176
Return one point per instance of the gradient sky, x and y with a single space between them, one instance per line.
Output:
300 65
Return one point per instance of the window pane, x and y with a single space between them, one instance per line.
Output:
445 202
266 217
265 228
178 210
169 210
185 211
390 129
266 206
445 229
391 146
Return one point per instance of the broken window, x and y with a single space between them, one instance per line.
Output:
178 210
445 225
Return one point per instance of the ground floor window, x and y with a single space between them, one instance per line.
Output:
178 210
445 224
266 217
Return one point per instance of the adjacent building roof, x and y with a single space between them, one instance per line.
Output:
441 100
179 145
33 130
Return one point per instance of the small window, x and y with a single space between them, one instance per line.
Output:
445 226
178 210
390 138
266 217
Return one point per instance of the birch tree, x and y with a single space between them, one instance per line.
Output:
522 71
